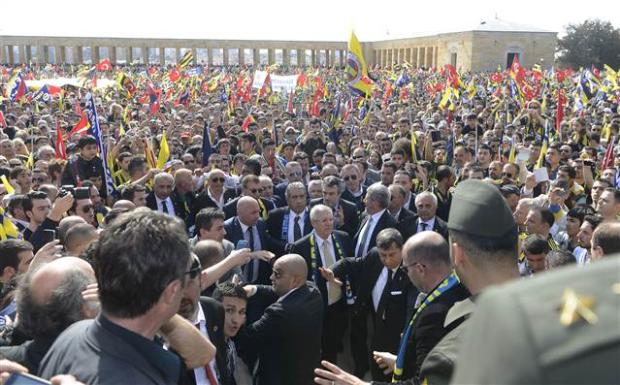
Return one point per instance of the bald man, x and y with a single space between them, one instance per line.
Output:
49 300
246 229
288 335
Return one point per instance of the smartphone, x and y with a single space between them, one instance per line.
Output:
435 136
48 236
25 379
242 244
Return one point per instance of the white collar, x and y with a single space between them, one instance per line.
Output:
375 217
199 316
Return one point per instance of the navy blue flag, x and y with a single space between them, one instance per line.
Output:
207 150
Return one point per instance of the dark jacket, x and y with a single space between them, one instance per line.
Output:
230 208
351 217
79 170
234 234
287 337
275 225
409 227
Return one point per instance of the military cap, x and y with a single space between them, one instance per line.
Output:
479 209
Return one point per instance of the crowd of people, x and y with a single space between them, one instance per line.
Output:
192 229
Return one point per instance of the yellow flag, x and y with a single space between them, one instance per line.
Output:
543 152
164 152
357 73
7 186
414 144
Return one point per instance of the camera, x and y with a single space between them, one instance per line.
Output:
77 192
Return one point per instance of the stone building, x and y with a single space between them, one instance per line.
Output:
489 45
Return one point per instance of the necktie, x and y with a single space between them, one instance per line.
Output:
208 369
250 269
296 229
360 249
424 225
384 295
334 293
164 206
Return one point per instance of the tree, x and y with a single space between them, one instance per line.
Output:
594 42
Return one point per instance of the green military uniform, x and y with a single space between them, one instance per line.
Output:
560 327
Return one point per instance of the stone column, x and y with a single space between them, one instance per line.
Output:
60 54
2 54
332 57
94 54
46 54
436 56
11 55
286 56
195 56
209 56
129 56
429 57
22 53
301 57
112 54
271 56
241 56
313 58
420 57
225 56
162 55
145 55
78 54
255 56
343 57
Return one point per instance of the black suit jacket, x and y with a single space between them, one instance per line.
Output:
409 227
280 190
275 225
287 337
359 201
385 221
151 203
230 208
234 234
214 316
429 328
302 247
29 353
351 217
404 215
203 200
395 308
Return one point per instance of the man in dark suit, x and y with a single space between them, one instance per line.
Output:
288 335
207 315
322 249
293 173
249 227
286 225
160 199
427 220
396 209
377 218
183 195
384 291
403 178
354 191
345 213
143 263
214 194
250 187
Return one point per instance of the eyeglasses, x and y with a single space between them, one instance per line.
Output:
295 174
194 270
38 180
255 190
217 180
357 157
507 174
350 177
407 267
87 208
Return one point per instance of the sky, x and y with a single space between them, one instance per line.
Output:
317 20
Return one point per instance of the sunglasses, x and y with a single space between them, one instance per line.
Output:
350 177
255 190
194 270
506 174
189 161
217 180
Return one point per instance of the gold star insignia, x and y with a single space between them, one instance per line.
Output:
574 307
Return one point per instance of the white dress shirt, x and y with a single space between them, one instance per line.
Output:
430 224
218 202
167 202
373 223
377 291
291 224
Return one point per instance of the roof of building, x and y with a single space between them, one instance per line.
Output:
498 25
